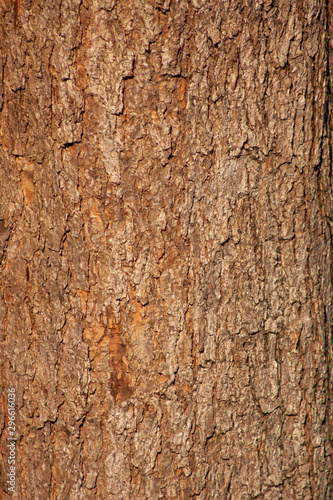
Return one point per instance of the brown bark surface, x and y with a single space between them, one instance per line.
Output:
165 237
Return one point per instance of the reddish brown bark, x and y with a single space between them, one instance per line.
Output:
165 230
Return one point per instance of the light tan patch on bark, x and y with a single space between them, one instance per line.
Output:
28 186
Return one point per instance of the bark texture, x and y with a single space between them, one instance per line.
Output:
165 237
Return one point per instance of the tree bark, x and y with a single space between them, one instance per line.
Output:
165 231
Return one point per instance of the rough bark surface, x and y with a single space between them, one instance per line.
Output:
165 248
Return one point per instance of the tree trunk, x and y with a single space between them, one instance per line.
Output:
165 236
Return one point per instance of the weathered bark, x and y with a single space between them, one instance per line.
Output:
165 236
